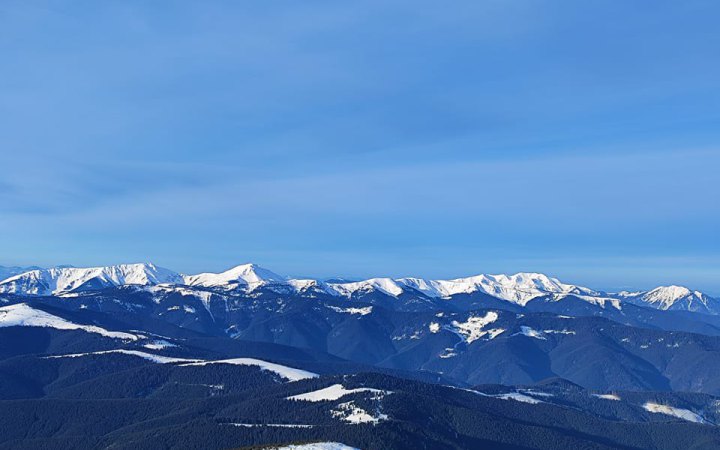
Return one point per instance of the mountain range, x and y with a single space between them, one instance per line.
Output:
138 356
518 289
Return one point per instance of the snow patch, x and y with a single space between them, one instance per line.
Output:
273 425
350 412
570 332
684 414
614 397
335 392
473 328
315 446
361 311
159 344
518 397
529 332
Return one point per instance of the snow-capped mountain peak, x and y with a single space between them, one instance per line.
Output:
674 298
57 280
242 275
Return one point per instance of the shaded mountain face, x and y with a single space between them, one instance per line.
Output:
596 346
73 379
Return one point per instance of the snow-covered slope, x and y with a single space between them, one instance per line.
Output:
23 315
675 298
245 275
66 279
7 272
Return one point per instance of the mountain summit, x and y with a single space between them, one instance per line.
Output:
243 275
674 298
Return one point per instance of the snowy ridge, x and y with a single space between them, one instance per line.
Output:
519 288
144 355
7 272
22 315
334 392
289 373
65 279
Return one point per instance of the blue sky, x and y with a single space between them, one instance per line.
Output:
357 139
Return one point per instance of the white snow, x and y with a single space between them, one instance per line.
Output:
335 392
614 397
529 332
570 332
536 393
58 280
519 288
518 397
361 311
275 425
449 353
248 275
434 327
684 414
203 295
23 315
384 285
315 446
474 327
350 412
159 344
148 356
676 298
288 373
